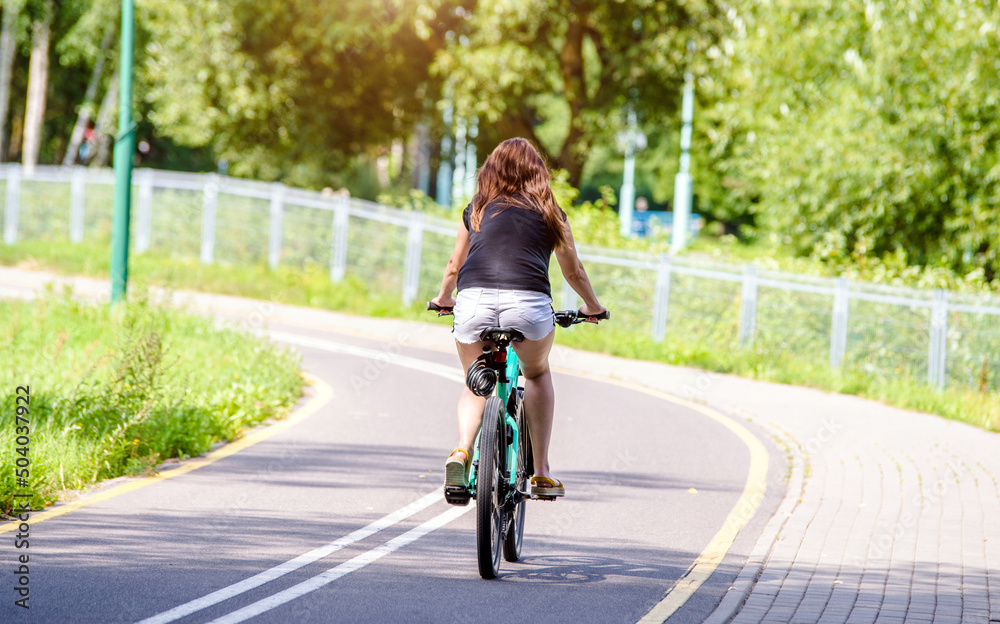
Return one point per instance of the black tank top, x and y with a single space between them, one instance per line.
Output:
510 251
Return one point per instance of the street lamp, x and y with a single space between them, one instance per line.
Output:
470 158
124 148
682 183
630 141
444 178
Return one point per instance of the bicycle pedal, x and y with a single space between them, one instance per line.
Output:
544 498
457 496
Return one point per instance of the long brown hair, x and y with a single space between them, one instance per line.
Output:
514 172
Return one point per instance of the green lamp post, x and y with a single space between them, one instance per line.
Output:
124 148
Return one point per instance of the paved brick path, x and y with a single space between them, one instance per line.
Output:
890 516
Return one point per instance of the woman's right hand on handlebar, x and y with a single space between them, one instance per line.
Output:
444 301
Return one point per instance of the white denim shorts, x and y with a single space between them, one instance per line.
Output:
527 311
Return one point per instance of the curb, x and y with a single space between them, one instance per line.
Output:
757 560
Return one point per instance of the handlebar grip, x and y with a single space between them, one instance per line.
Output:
441 310
565 318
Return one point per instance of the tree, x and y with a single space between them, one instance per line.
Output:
8 43
520 64
38 82
870 129
89 42
106 125
293 89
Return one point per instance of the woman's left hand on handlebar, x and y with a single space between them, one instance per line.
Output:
588 311
444 301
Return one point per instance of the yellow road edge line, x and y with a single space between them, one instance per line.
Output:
746 506
323 395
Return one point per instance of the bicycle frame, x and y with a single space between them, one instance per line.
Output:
503 391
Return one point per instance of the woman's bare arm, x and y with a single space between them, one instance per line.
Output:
450 280
574 273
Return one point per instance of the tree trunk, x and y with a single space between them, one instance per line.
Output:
105 128
8 39
16 134
86 110
573 154
38 80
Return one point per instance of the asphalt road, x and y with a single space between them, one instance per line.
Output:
649 483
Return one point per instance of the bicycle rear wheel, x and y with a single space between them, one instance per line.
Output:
514 534
490 491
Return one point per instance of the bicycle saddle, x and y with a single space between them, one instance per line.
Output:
493 333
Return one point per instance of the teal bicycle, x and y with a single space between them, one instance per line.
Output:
502 461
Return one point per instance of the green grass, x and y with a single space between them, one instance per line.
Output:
117 392
772 359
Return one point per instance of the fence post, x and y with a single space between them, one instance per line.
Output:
274 239
77 202
144 225
838 327
411 269
208 204
661 298
12 204
338 251
748 306
937 355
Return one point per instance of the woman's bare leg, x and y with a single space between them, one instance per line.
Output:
539 397
470 406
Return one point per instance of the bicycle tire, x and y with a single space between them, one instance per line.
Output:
490 491
514 534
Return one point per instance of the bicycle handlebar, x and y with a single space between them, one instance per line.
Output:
564 318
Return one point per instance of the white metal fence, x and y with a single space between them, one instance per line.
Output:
943 337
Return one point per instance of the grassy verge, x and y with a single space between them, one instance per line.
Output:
981 409
311 286
116 392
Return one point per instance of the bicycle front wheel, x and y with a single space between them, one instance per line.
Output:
489 490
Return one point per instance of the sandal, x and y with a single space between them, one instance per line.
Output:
455 469
544 486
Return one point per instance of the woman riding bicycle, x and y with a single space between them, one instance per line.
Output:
500 266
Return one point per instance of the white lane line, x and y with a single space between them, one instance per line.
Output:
378 355
341 570
389 357
289 566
